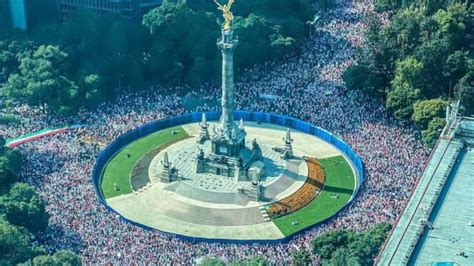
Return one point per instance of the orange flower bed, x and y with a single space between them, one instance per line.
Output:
303 196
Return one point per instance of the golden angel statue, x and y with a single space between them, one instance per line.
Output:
228 16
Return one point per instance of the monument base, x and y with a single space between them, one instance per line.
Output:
233 167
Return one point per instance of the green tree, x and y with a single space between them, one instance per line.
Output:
405 88
301 258
456 66
340 247
342 257
423 53
366 245
386 5
7 176
465 90
183 43
184 35
400 101
67 257
175 44
355 77
391 44
210 261
15 245
431 81
125 43
91 88
327 243
453 23
23 207
10 163
431 134
42 79
60 258
46 260
253 261
166 14
424 111
255 39
326 4
404 33
8 62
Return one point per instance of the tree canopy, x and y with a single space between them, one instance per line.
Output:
86 59
22 214
426 110
341 247
210 261
60 258
421 58
255 261
40 79
22 207
15 245
301 258
10 163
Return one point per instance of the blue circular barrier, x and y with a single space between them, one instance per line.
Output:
108 153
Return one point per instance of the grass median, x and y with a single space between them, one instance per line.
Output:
338 188
121 165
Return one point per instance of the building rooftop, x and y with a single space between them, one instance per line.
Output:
452 219
436 225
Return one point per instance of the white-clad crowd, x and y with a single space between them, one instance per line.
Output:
309 87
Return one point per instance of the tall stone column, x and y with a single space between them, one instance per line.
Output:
227 45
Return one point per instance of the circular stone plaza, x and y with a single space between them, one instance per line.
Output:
149 177
228 176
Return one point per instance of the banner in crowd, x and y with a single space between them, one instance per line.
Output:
13 142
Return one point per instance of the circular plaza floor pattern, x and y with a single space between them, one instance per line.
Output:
209 206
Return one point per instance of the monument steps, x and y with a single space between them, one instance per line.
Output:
264 213
209 216
284 182
186 190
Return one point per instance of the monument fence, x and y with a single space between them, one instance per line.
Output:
109 152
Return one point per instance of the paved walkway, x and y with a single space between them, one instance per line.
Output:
160 211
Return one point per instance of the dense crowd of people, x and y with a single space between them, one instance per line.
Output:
307 86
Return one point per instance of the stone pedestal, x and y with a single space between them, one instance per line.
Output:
288 148
169 173
256 192
204 134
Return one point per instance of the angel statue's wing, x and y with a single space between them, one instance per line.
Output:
230 3
218 4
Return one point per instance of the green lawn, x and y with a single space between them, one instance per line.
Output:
339 180
120 166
